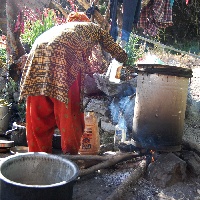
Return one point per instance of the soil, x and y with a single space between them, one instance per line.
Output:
101 184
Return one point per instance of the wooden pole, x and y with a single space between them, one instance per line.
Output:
60 8
130 181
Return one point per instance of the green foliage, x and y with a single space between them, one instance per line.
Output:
9 89
3 55
133 50
22 111
7 94
33 29
102 8
186 26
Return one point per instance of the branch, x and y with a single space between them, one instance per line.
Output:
86 157
60 8
97 15
111 161
131 180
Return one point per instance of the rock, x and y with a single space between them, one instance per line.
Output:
90 86
98 106
167 170
193 161
123 88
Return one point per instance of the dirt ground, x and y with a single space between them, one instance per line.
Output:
100 185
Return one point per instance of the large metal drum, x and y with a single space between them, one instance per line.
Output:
4 118
35 176
160 106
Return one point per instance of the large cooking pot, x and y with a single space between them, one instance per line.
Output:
36 176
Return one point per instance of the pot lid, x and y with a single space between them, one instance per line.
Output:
165 70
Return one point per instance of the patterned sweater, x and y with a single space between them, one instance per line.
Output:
60 54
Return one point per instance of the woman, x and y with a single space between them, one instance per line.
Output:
52 81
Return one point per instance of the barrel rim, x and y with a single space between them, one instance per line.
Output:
165 70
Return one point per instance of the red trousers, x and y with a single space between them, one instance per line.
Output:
44 114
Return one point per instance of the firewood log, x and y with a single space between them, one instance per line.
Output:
119 192
85 157
111 161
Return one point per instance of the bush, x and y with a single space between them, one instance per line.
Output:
35 25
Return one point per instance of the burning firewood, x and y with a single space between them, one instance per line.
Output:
111 160
86 157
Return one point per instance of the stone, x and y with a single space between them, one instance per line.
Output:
107 126
193 161
90 86
97 105
167 170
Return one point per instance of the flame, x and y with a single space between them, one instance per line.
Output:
152 157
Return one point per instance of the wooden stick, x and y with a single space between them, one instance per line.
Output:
130 181
111 161
86 157
60 8
97 15
84 3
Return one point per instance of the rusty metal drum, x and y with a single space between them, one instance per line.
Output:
160 106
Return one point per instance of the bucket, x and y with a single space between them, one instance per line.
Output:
4 118
160 106
37 176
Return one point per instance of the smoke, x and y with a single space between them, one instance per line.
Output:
122 111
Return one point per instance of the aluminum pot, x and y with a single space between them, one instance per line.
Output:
37 176
17 134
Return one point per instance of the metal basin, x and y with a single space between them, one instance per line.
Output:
37 176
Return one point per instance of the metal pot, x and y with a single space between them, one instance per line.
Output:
37 176
4 117
17 134
5 145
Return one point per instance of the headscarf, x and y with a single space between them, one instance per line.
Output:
77 17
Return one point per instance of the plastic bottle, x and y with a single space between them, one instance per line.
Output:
120 135
90 140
